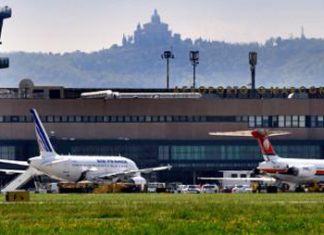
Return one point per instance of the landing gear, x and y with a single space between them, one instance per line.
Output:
272 189
284 187
299 189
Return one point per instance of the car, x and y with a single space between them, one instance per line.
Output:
209 188
173 187
242 189
191 189
156 187
180 188
227 189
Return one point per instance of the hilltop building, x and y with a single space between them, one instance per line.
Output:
152 33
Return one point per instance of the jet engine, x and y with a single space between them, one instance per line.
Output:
138 180
302 171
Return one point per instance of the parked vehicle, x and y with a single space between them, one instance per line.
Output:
180 188
156 187
209 188
242 189
173 187
52 188
191 189
227 189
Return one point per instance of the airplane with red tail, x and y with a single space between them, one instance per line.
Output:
296 171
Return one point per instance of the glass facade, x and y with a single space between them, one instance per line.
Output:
7 152
257 121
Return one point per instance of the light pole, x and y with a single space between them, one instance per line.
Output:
194 59
5 13
253 61
167 55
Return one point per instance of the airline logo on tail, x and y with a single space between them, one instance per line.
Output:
264 143
44 143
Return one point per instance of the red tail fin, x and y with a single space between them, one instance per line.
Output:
264 143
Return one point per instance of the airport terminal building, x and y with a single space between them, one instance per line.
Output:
158 127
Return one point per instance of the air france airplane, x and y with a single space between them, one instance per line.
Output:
73 168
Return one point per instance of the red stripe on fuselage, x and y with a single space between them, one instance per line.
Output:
269 170
320 172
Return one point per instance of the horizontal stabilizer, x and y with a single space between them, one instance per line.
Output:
248 133
21 163
11 171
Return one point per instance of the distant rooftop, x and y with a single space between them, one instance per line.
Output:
27 90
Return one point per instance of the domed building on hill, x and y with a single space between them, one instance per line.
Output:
152 33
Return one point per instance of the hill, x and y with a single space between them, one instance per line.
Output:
137 62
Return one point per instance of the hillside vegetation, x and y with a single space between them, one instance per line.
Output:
281 62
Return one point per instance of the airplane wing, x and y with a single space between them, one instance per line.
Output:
11 171
264 179
131 172
21 163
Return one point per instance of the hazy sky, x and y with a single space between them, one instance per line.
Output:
90 25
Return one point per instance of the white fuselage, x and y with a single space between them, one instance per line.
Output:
76 168
306 170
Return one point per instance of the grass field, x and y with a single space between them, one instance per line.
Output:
165 214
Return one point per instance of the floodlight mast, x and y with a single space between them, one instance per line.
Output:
194 59
5 12
253 61
167 55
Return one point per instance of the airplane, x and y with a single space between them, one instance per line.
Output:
71 168
292 171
